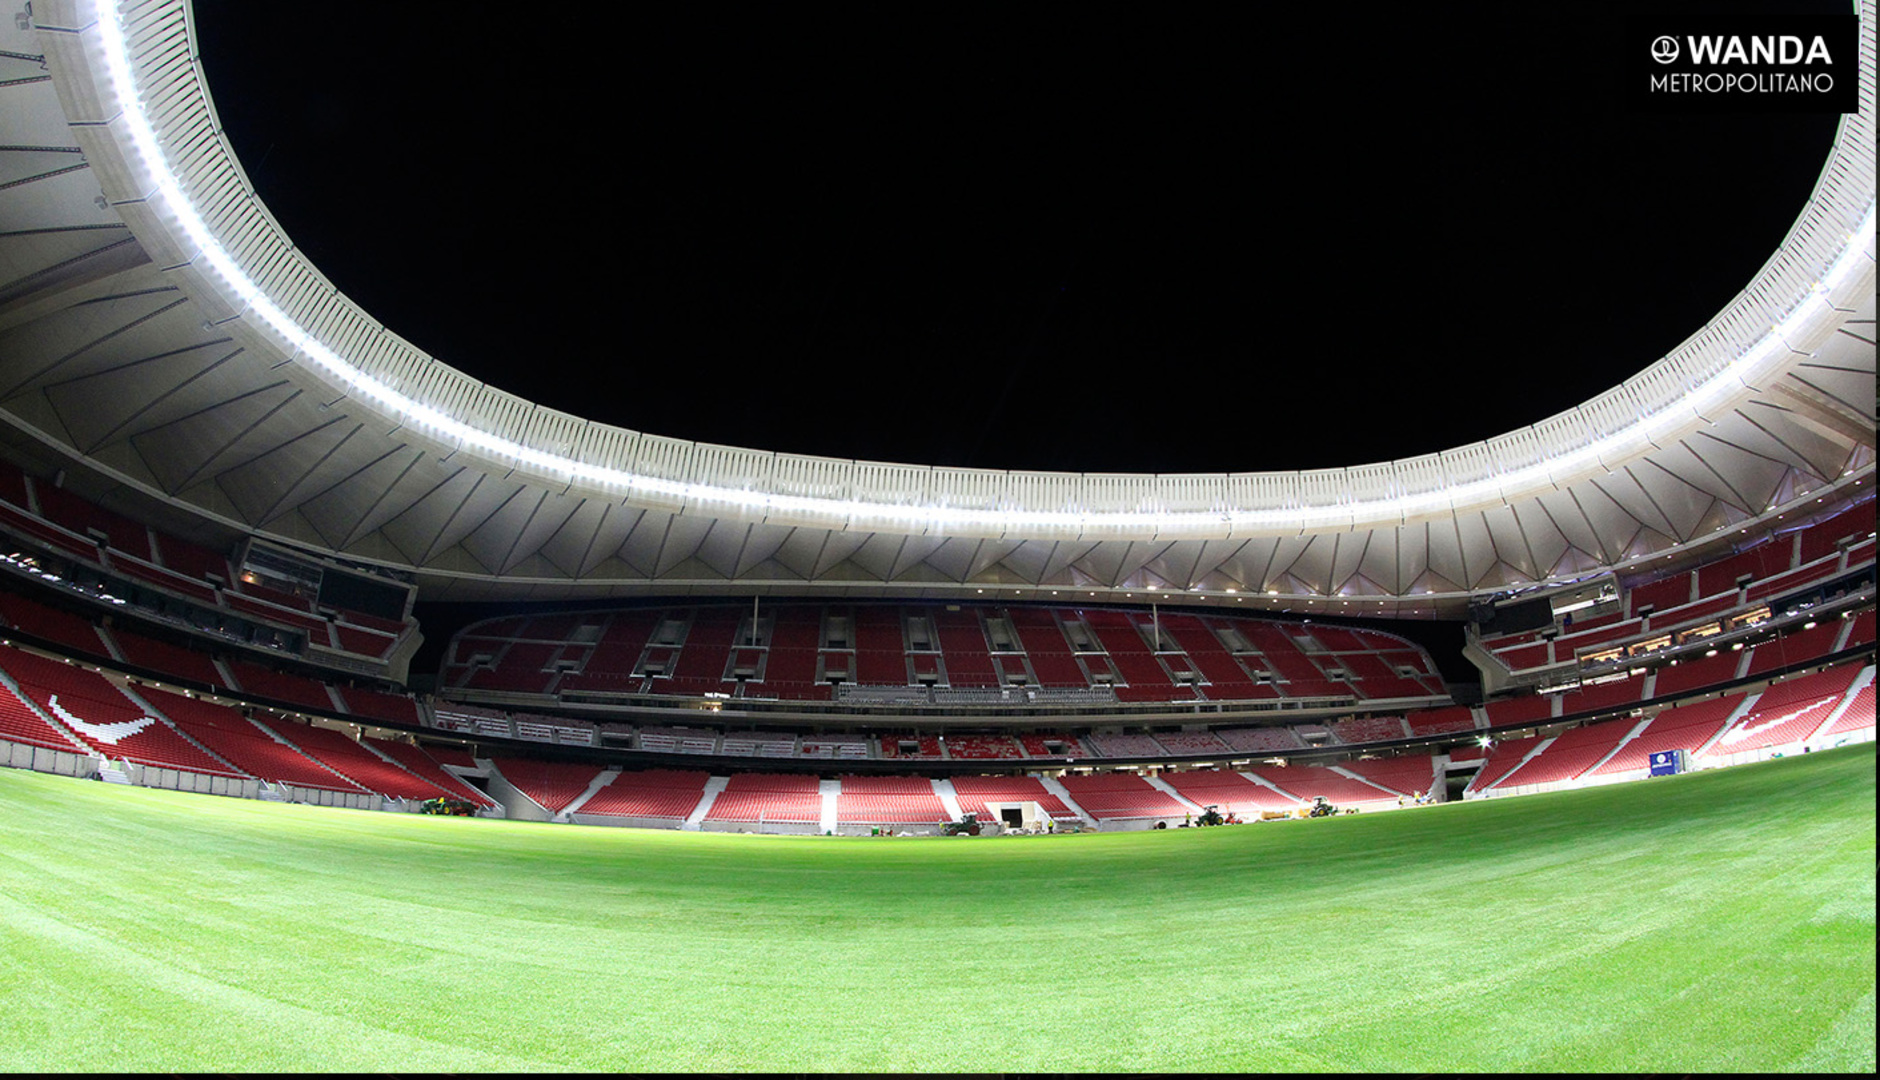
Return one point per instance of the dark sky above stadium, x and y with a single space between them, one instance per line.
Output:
1121 242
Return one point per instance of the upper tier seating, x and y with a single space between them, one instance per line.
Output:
376 705
923 746
1126 746
1262 740
1369 729
1107 796
1695 674
281 686
1040 745
1602 697
974 792
51 624
1195 662
649 793
1191 742
173 661
1519 710
1441 721
975 747
1740 581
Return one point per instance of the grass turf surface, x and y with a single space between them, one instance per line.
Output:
1722 921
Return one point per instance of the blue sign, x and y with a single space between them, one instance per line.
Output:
1667 762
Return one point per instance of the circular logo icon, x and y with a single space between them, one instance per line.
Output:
1665 49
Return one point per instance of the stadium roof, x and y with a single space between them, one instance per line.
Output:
169 346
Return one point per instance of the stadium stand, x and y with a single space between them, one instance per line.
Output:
1503 758
1440 721
1412 775
349 759
106 721
884 799
1369 729
1573 752
52 625
973 793
983 747
1262 740
1111 796
416 761
1184 743
1859 713
244 744
762 797
1121 746
1231 791
281 686
551 784
649 793
1683 727
1316 781
1787 712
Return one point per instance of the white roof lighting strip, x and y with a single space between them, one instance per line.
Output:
1739 377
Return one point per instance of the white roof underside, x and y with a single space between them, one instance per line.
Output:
129 360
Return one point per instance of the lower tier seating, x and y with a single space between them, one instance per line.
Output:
974 792
1686 728
421 764
768 797
1412 775
1105 796
1310 782
552 784
1230 791
232 737
889 798
355 762
649 793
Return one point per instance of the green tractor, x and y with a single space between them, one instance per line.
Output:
967 825
1321 808
1211 815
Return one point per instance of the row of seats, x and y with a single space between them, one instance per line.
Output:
121 645
707 650
91 714
1736 726
90 533
1736 583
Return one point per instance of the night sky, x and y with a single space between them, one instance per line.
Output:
1130 241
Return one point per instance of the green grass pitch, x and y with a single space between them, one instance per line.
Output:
1719 921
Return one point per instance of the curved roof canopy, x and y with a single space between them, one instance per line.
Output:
163 333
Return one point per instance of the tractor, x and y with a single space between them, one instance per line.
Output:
967 825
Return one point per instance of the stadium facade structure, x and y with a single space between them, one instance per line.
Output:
167 344
168 355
